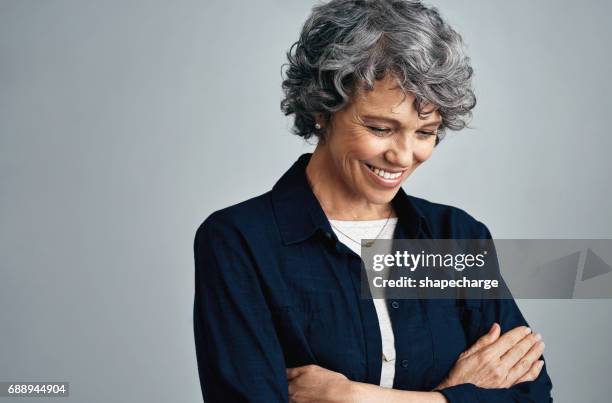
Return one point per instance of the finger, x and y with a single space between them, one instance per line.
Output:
519 350
294 372
483 341
507 340
293 388
533 372
526 362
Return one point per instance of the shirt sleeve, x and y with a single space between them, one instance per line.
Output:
508 315
238 354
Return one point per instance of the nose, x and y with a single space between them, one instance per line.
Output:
401 152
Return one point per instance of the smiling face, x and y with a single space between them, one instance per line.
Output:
378 140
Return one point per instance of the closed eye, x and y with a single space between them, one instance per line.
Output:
379 131
424 134
383 131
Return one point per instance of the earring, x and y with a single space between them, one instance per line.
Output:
317 126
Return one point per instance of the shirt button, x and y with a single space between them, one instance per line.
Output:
405 363
395 304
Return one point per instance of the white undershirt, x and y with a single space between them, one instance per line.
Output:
369 229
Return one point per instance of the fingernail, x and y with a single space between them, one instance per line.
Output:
527 330
543 345
538 336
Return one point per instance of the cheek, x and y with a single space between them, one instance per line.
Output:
423 152
367 144
363 147
350 142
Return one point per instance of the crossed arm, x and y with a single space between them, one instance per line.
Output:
494 361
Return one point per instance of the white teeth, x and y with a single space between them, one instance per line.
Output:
383 174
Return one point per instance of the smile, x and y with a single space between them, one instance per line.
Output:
384 178
384 174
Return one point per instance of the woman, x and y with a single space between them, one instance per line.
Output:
277 313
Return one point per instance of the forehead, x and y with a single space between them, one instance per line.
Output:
388 99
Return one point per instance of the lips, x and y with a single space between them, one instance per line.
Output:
385 169
384 178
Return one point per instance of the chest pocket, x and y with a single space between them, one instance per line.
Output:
332 333
455 325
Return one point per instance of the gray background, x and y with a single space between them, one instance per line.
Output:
123 124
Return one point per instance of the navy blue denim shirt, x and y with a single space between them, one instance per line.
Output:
274 288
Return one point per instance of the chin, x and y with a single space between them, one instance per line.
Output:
380 196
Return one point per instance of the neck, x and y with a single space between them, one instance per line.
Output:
338 201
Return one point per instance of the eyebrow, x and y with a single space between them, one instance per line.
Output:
397 122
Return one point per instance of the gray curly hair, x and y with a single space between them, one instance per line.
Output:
348 44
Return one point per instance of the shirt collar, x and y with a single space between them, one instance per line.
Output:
299 214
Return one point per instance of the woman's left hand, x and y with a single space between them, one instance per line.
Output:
312 383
